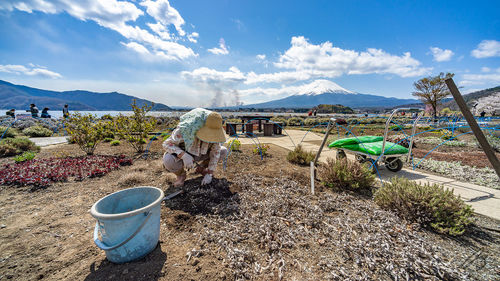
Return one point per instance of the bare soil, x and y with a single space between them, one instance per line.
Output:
256 221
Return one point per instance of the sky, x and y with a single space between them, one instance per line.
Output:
229 52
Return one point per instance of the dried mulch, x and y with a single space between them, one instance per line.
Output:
274 230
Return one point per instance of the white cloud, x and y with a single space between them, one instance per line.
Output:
486 49
481 79
165 14
283 77
440 54
117 16
222 50
193 37
485 69
325 60
30 71
137 47
261 57
160 29
207 75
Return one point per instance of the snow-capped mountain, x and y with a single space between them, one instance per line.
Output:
328 92
319 87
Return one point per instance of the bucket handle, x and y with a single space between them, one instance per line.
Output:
101 245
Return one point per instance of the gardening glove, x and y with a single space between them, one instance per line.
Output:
206 179
187 160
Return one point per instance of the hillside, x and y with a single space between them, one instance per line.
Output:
328 92
487 100
19 96
334 108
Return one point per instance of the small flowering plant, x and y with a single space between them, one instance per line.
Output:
44 172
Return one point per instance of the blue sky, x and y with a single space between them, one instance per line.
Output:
203 53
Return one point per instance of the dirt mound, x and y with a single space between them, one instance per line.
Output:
209 199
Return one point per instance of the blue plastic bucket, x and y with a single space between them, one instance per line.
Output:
128 222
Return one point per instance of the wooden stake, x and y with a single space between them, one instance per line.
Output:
312 178
473 125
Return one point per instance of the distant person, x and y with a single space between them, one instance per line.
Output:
11 113
483 113
309 113
45 113
34 110
65 111
315 112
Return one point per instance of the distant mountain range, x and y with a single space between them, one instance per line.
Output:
328 92
19 97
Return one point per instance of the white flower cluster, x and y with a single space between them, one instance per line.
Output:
437 141
481 176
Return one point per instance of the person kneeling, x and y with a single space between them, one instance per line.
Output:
196 141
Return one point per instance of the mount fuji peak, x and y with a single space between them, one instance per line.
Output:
319 87
327 92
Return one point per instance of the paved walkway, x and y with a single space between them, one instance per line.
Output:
46 141
484 200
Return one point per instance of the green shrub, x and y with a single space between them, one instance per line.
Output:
346 174
108 139
446 134
107 117
37 132
165 136
279 120
429 205
8 132
300 156
115 142
234 145
311 122
136 128
11 147
233 120
85 130
295 121
261 149
352 121
27 155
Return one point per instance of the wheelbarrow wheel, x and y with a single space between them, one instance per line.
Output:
340 155
367 162
394 165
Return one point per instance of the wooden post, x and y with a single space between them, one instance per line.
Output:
312 177
473 125
328 129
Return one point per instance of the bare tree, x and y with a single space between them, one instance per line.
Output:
431 90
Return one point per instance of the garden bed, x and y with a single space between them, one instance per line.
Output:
44 172
256 221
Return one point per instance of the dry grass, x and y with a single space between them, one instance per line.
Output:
132 179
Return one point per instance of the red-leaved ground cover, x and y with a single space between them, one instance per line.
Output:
44 172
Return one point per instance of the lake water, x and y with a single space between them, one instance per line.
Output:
58 113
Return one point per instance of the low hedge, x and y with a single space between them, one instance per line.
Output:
431 206
37 131
12 147
344 174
